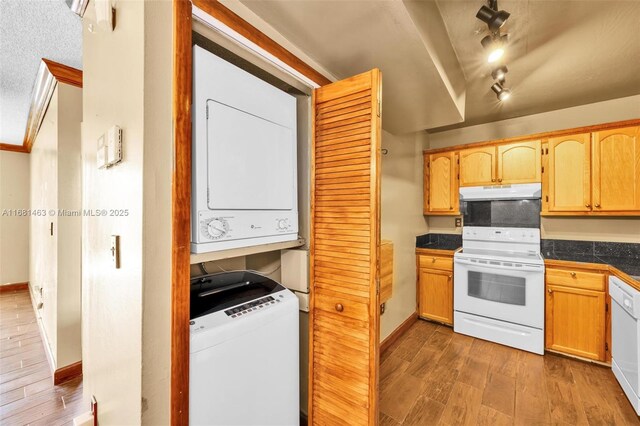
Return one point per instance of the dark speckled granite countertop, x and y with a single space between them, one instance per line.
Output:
622 256
439 241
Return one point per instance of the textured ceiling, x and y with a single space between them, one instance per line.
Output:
560 54
423 84
31 30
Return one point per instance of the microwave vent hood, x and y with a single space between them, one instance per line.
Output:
525 191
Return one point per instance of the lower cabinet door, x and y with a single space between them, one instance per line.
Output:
436 295
575 322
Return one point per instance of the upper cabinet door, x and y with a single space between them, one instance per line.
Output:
345 251
477 166
569 173
519 163
616 170
442 191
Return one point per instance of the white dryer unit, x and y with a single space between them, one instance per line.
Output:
244 177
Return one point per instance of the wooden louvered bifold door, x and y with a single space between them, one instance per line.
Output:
345 237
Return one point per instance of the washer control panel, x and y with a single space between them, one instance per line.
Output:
255 305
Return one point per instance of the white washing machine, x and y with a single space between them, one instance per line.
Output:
244 354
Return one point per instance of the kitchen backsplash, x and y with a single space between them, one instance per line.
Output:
592 248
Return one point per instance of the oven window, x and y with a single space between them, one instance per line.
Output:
497 288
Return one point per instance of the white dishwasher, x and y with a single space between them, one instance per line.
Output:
625 338
244 352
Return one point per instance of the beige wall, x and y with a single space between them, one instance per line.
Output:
14 230
55 186
126 311
158 151
616 229
43 274
113 66
584 115
402 221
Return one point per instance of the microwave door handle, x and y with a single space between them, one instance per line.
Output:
509 268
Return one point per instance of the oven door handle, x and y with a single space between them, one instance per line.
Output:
527 268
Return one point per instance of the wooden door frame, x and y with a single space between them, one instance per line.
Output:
181 181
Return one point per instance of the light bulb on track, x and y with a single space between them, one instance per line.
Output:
495 46
502 93
499 74
494 19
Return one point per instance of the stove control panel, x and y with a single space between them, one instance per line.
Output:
519 235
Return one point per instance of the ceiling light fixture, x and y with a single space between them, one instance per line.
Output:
499 74
502 93
495 45
493 17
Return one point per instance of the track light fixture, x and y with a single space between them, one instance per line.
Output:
495 45
493 17
499 74
502 93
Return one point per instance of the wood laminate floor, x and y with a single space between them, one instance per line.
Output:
27 393
433 376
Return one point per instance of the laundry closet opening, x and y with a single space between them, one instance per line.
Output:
283 262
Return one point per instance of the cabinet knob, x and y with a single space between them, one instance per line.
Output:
587 205
573 274
500 180
433 260
339 307
597 205
549 291
493 180
450 276
450 207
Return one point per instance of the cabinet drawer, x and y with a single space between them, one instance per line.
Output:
436 262
576 279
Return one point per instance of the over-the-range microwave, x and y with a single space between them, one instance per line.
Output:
244 177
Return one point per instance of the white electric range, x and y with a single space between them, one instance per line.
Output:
499 274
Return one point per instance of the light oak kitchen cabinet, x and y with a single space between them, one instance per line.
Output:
441 184
501 164
435 288
616 170
519 163
593 173
478 166
575 317
569 173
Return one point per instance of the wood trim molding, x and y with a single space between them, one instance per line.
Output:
544 135
251 33
67 373
181 213
49 74
5 288
398 332
13 148
63 73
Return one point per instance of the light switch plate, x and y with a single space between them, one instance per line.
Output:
101 154
114 145
115 251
